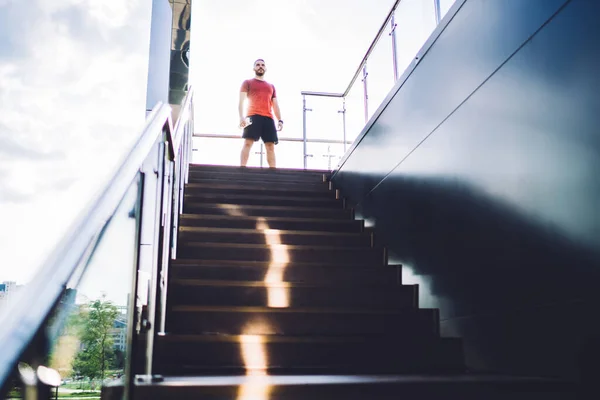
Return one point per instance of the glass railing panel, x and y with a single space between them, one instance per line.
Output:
415 21
288 155
226 151
325 121
324 156
222 151
355 111
91 327
380 68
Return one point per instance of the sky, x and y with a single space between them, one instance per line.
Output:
308 45
73 85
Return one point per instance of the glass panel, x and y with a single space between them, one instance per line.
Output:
324 156
380 67
288 155
218 151
416 22
93 346
325 119
355 110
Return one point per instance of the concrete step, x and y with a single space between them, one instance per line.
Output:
282 253
262 189
352 387
310 273
191 206
260 199
274 236
405 324
264 294
273 355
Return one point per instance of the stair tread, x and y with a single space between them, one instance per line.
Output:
318 188
243 231
264 197
267 264
272 246
301 380
262 284
267 219
298 310
255 176
355 386
201 167
266 339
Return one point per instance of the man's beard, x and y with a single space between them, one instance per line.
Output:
260 73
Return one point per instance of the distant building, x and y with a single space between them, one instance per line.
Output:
119 333
8 291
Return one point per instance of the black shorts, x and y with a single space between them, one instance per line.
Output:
261 128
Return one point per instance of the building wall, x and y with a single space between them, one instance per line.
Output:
480 173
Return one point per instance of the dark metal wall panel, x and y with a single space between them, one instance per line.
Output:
481 36
481 175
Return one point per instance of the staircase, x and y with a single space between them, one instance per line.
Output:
277 292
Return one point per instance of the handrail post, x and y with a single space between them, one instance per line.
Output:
261 154
394 51
304 110
438 11
366 93
343 112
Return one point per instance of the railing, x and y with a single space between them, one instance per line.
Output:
113 262
304 140
385 64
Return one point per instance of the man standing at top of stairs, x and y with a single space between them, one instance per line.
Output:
258 122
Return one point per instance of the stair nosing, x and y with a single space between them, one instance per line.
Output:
265 339
285 284
191 262
267 170
298 310
275 219
348 379
281 231
263 197
232 185
194 243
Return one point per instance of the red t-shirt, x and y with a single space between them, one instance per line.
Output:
260 97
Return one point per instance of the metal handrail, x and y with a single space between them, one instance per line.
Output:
362 68
359 70
321 94
24 320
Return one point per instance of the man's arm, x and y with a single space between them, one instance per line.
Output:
276 109
243 97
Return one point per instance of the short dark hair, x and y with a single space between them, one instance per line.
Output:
257 60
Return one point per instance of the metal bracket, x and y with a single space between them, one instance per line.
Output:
149 378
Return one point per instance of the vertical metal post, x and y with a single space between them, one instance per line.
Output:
304 110
365 74
394 53
261 154
438 11
343 112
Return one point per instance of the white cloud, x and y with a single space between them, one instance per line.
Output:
72 95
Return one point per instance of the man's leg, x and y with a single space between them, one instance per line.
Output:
246 151
270 154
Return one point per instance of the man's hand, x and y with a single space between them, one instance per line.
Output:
280 125
243 123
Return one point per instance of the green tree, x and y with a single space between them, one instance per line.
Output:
97 343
